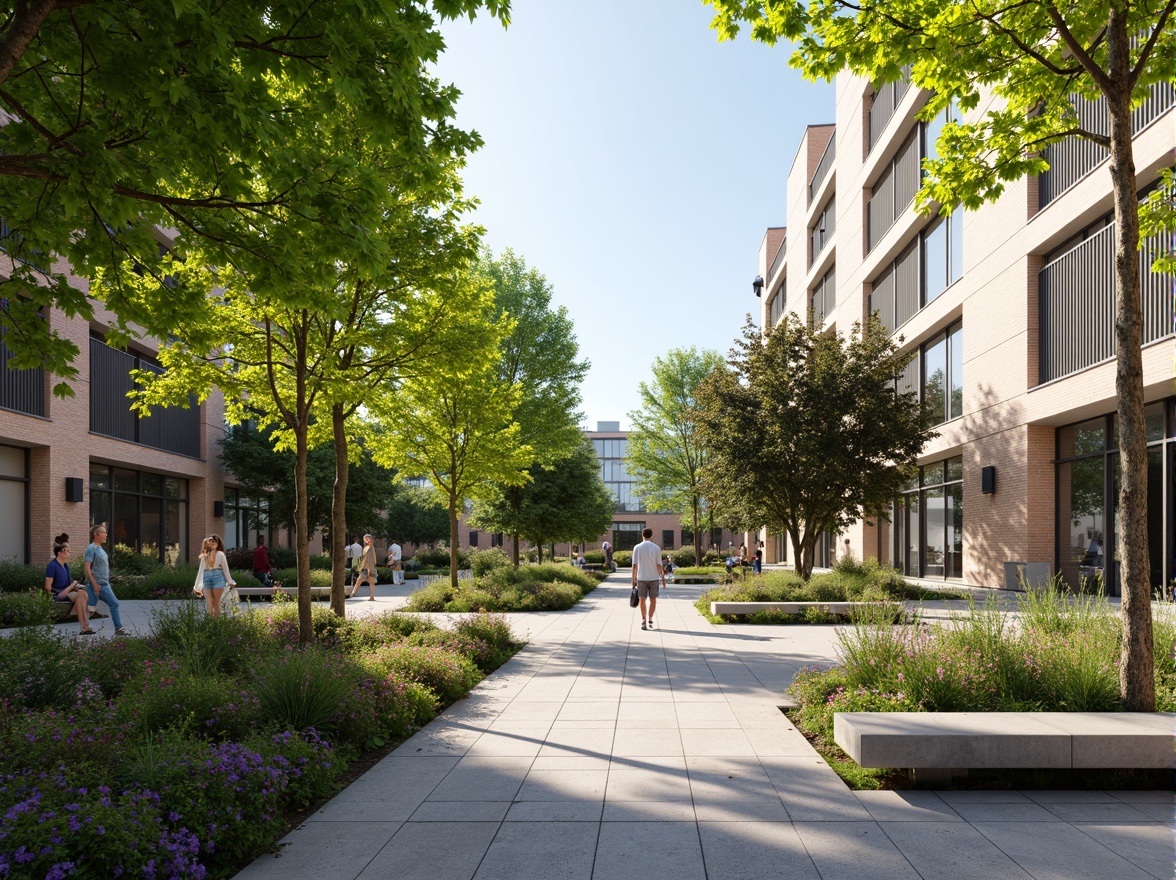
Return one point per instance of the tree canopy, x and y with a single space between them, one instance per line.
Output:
1036 61
129 122
665 449
567 501
806 432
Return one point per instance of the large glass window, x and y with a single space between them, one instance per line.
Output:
144 513
937 374
934 261
611 454
246 517
928 523
935 380
626 535
1088 497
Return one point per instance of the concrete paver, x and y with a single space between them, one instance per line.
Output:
603 751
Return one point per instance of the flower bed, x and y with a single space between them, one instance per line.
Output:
179 755
1062 656
850 581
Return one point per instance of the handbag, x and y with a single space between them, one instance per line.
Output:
231 601
634 600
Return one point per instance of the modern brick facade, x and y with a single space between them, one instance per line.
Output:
1030 364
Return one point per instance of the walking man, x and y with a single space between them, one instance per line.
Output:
648 575
396 562
354 555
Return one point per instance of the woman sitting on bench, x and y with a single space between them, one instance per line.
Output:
64 588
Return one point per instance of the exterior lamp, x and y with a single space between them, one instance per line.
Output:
757 285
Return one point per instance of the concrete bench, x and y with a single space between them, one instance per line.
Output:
289 591
786 607
936 744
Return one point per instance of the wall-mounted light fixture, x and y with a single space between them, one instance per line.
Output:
218 509
758 285
73 489
988 480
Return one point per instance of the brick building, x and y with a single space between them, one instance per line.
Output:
1010 312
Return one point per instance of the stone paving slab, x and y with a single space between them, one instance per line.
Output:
601 751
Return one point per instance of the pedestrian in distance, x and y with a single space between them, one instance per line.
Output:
396 562
262 569
354 555
648 576
213 576
97 569
367 569
61 585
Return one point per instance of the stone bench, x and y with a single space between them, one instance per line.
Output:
786 607
936 744
289 591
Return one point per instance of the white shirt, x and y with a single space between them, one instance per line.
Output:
355 551
395 553
647 560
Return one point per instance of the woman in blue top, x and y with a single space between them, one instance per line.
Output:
61 584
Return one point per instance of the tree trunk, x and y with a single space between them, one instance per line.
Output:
802 555
302 533
1136 672
453 539
697 543
539 545
514 554
339 513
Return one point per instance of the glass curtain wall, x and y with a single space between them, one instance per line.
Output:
927 523
1088 499
144 513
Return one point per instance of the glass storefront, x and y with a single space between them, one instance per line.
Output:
1087 468
144 513
246 517
927 523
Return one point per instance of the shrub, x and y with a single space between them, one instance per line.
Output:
16 578
301 690
683 557
331 631
482 562
594 556
448 675
318 562
289 577
32 608
383 629
623 558
54 829
494 630
209 706
199 643
38 670
547 587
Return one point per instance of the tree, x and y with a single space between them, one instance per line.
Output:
1037 58
807 433
417 515
540 355
124 118
665 449
566 502
455 427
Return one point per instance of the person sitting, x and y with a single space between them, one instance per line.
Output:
63 587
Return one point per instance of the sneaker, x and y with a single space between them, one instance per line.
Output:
643 624
91 608
651 623
94 615
121 631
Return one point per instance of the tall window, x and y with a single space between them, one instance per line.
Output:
823 298
927 523
943 372
667 539
144 513
626 535
778 303
823 228
611 454
943 255
246 517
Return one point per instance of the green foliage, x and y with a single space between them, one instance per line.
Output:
547 587
417 515
36 671
16 578
495 632
32 608
482 562
623 558
566 501
447 674
201 645
301 690
165 696
438 557
684 556
789 449
666 452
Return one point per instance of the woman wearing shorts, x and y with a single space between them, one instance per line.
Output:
213 574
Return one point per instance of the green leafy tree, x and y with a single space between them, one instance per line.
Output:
1036 58
455 427
565 502
123 118
541 356
417 514
806 432
665 450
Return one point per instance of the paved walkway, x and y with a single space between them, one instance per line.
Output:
602 751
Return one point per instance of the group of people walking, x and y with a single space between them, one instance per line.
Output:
361 565
84 596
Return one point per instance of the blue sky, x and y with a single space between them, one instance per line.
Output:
634 161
